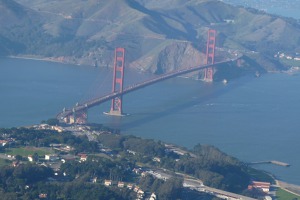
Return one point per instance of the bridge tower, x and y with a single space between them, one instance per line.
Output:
118 79
210 55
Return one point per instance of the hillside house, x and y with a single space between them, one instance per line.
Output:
121 184
107 182
30 158
51 157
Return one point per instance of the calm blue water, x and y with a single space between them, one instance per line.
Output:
253 119
287 8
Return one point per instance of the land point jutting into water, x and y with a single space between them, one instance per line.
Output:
275 162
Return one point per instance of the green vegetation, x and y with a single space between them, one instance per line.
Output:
51 122
285 195
290 62
4 162
37 138
260 175
25 151
115 157
152 34
209 164
170 189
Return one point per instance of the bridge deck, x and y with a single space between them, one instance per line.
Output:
99 100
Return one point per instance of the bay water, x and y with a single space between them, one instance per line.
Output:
253 119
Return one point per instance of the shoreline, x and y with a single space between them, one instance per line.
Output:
49 59
62 60
32 57
291 188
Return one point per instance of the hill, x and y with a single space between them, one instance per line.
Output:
158 37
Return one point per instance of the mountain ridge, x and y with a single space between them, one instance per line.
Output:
86 32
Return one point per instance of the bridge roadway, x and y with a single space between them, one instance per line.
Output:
99 100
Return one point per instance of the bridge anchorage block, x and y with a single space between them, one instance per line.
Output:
78 117
81 117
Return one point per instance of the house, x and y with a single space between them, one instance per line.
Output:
129 186
83 157
282 55
51 157
136 189
107 182
153 196
137 170
140 194
3 142
121 184
57 128
263 186
131 152
156 159
94 180
30 158
143 174
43 196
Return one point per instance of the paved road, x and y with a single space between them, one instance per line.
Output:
4 156
197 184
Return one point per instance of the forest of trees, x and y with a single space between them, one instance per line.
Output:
204 162
211 165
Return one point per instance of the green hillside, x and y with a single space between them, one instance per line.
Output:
158 37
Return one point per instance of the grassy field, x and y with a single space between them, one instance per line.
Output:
25 151
295 63
4 162
284 195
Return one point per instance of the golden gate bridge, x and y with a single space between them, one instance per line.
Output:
78 114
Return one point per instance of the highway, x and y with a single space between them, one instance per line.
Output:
196 184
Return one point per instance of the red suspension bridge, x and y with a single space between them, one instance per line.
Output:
78 114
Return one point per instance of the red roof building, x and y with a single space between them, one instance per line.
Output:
263 186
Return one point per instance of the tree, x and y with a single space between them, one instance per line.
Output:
18 157
171 189
51 121
36 157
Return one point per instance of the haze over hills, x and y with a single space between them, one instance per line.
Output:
287 8
159 36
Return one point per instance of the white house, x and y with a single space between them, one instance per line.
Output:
107 182
30 158
51 157
121 184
